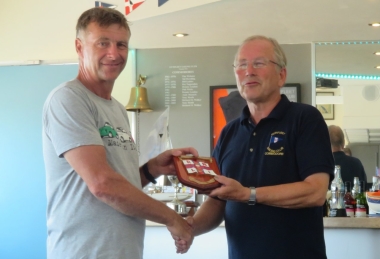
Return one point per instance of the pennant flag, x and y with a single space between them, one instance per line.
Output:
161 2
158 140
131 5
105 5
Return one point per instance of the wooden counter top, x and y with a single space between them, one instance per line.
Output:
349 222
327 222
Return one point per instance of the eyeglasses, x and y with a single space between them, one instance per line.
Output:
256 63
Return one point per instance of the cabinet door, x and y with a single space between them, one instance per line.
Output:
369 156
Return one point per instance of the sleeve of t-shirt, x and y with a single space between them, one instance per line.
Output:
313 148
69 120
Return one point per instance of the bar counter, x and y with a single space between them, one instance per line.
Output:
352 222
348 238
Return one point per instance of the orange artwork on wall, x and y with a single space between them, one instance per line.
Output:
226 104
218 119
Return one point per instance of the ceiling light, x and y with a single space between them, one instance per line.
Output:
180 35
378 67
375 24
377 53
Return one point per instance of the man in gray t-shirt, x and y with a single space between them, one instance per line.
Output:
96 208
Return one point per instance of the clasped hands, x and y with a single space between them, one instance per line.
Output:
183 243
230 190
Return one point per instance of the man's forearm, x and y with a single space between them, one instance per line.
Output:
209 216
129 200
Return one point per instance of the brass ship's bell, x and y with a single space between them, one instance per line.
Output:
138 100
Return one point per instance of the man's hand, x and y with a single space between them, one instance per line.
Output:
163 163
230 190
181 245
182 234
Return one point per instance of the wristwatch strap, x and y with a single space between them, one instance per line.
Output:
147 174
252 196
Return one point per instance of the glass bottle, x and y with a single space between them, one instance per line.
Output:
327 206
355 188
375 184
361 202
349 201
365 197
337 206
325 209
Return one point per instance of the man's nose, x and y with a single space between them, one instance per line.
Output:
250 70
112 51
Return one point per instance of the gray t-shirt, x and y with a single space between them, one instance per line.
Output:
78 224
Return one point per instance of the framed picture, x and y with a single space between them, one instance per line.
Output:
226 104
292 91
327 110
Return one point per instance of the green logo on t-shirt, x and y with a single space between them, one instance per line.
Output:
108 131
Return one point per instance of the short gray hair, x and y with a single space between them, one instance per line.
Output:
280 57
102 16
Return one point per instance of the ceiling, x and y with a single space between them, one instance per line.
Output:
228 22
348 59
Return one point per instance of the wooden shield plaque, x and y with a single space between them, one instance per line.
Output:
197 172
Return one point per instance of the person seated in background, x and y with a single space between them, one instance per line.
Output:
350 166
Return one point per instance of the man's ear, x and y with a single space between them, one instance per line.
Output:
283 74
78 46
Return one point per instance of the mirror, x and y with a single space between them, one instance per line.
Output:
354 104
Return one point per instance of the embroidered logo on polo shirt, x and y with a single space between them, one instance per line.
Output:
276 144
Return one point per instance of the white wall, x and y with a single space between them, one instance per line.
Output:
356 111
159 244
41 29
45 30
352 243
340 243
359 112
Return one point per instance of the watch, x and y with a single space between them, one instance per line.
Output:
252 196
147 174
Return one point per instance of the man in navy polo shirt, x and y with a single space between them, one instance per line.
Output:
276 162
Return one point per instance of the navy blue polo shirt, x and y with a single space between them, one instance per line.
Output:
289 145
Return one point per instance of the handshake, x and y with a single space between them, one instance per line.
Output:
209 215
183 234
